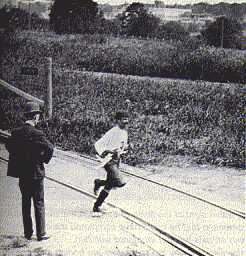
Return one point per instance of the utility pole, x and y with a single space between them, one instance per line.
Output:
29 16
222 31
28 3
49 88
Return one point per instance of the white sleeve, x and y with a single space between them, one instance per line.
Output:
101 144
125 141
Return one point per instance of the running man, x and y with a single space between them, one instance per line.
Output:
110 148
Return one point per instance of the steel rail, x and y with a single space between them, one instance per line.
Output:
232 211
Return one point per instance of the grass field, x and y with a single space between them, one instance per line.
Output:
167 117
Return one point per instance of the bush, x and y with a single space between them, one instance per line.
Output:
75 16
12 19
215 64
137 21
231 28
102 53
172 31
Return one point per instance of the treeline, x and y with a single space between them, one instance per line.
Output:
86 17
13 18
235 10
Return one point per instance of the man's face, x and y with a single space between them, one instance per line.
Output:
123 123
36 118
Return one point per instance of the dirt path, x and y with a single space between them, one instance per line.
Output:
75 232
73 229
199 223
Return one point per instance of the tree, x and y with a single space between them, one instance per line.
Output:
75 16
111 27
136 21
12 19
224 32
172 31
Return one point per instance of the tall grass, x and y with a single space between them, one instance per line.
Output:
167 117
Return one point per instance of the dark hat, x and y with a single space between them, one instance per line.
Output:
32 108
121 115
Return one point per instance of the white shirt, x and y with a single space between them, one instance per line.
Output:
30 122
114 139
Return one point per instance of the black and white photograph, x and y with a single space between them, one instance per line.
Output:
122 127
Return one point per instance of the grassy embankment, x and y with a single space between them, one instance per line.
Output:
168 117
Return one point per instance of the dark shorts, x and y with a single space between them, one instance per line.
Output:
114 178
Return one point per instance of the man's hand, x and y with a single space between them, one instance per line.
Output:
106 152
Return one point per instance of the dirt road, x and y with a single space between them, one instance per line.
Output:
75 232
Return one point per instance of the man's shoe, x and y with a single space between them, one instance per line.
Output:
28 237
96 186
96 209
122 184
97 212
44 237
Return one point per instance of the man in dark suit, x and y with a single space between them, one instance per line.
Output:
28 151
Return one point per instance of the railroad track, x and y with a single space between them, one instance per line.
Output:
178 243
82 158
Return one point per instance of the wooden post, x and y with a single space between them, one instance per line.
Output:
49 88
29 16
222 31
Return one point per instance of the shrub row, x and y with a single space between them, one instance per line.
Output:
130 56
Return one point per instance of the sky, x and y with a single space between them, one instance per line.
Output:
115 2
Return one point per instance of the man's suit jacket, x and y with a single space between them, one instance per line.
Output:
28 150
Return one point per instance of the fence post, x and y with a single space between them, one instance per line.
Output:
49 88
29 17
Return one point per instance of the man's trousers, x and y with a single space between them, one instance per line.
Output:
32 189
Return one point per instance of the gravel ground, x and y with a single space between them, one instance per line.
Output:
71 225
74 231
